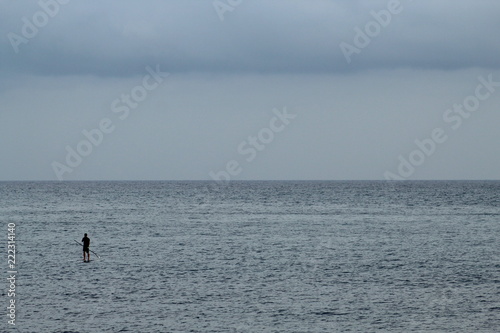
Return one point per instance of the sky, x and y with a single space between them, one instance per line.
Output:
249 90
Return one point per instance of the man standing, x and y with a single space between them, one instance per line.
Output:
86 245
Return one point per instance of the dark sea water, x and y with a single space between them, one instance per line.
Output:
254 256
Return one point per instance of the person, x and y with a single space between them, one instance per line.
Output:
86 245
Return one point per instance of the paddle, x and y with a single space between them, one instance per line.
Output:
89 249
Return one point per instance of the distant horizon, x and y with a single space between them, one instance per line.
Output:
252 180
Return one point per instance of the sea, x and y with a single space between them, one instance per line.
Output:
252 256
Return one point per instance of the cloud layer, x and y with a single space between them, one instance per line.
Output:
271 36
366 79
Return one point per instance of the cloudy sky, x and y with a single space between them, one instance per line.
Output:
249 89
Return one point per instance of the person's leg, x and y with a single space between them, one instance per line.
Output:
88 256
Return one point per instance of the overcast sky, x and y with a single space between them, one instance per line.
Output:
249 89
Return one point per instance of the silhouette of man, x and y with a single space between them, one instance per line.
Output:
86 245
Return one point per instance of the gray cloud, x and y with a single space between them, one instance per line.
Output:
118 38
354 120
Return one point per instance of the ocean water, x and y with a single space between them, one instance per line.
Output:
254 256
